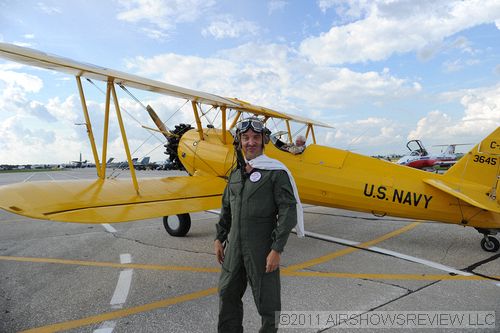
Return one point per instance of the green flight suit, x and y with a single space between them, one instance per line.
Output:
256 216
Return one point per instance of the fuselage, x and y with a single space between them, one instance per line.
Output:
337 178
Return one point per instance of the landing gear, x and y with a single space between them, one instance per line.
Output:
489 243
178 225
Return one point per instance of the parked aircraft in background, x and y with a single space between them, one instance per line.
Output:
79 163
420 158
143 164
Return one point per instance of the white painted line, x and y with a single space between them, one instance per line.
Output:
106 327
392 253
498 284
330 238
108 227
72 176
30 176
51 178
125 258
420 261
104 330
122 289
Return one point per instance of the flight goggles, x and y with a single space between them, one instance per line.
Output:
255 124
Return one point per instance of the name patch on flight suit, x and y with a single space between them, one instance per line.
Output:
255 176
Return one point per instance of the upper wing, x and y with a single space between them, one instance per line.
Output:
40 59
260 110
112 200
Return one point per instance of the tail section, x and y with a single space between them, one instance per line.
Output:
450 150
474 178
481 164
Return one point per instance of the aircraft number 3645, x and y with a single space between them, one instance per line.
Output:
483 159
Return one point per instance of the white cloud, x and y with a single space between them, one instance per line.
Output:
23 44
272 75
481 115
324 5
155 34
162 16
228 27
363 135
33 131
458 64
22 142
432 126
69 110
327 87
276 5
51 10
13 97
385 28
16 80
496 70
345 9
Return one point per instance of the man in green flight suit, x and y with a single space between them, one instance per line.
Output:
259 209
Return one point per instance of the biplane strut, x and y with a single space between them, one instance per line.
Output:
325 176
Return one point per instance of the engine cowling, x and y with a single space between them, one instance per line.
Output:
209 155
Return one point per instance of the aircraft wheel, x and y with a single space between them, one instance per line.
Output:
178 225
490 244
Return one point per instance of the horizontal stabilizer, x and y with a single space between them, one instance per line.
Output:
473 194
112 200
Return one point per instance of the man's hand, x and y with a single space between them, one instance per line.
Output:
272 261
219 251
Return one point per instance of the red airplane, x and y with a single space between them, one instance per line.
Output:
419 158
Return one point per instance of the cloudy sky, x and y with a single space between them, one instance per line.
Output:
381 72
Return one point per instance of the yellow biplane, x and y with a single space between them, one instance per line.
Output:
467 194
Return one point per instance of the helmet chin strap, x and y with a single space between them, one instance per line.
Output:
241 163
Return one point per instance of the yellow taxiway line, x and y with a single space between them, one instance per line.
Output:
284 271
336 254
112 264
292 271
122 313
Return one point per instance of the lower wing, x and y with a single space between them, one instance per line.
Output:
112 200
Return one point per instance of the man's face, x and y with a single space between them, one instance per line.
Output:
251 143
300 142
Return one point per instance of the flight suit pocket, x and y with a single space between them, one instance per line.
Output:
262 209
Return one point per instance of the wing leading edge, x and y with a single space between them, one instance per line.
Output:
112 200
36 58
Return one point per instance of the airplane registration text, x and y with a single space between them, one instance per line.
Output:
400 196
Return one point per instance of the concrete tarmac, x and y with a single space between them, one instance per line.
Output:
134 277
